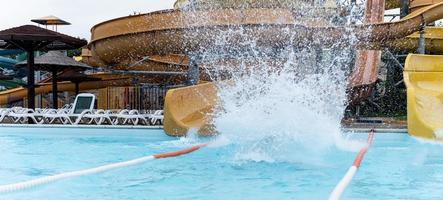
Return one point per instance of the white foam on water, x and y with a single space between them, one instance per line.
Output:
438 133
429 141
283 116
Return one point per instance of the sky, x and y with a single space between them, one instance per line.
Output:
82 14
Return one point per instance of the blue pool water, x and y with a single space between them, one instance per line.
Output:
396 167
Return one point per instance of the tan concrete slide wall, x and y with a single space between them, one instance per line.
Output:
188 108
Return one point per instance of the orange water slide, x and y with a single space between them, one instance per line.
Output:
119 43
417 4
433 41
413 4
17 94
367 61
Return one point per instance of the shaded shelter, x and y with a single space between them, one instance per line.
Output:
50 20
33 38
76 77
54 62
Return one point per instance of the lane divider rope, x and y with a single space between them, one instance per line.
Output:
344 182
48 179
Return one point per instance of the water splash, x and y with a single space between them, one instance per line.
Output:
279 102
283 115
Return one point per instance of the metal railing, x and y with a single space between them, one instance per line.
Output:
144 97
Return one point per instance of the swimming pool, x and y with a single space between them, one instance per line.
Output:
396 167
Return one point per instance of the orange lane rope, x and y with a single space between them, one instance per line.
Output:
179 153
344 182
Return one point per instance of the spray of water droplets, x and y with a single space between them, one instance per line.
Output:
283 103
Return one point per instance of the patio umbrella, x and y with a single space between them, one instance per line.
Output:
33 38
54 62
50 20
76 77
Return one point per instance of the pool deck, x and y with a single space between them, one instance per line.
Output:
346 129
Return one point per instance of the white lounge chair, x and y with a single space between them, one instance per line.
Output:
83 105
52 115
4 112
131 117
23 115
157 117
98 116
81 112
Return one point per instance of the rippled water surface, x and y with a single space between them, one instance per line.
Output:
396 167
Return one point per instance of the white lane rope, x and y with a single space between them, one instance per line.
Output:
49 179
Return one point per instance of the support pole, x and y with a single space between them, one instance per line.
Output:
77 88
54 89
193 73
421 41
31 79
404 8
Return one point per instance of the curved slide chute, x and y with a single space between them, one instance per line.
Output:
433 41
6 52
188 108
365 69
112 42
423 77
7 63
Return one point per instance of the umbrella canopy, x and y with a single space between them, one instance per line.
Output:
55 60
30 37
33 38
76 77
50 20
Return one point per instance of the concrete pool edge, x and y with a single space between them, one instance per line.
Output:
377 130
358 130
78 126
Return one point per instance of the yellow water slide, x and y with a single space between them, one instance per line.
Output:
423 76
433 41
188 108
